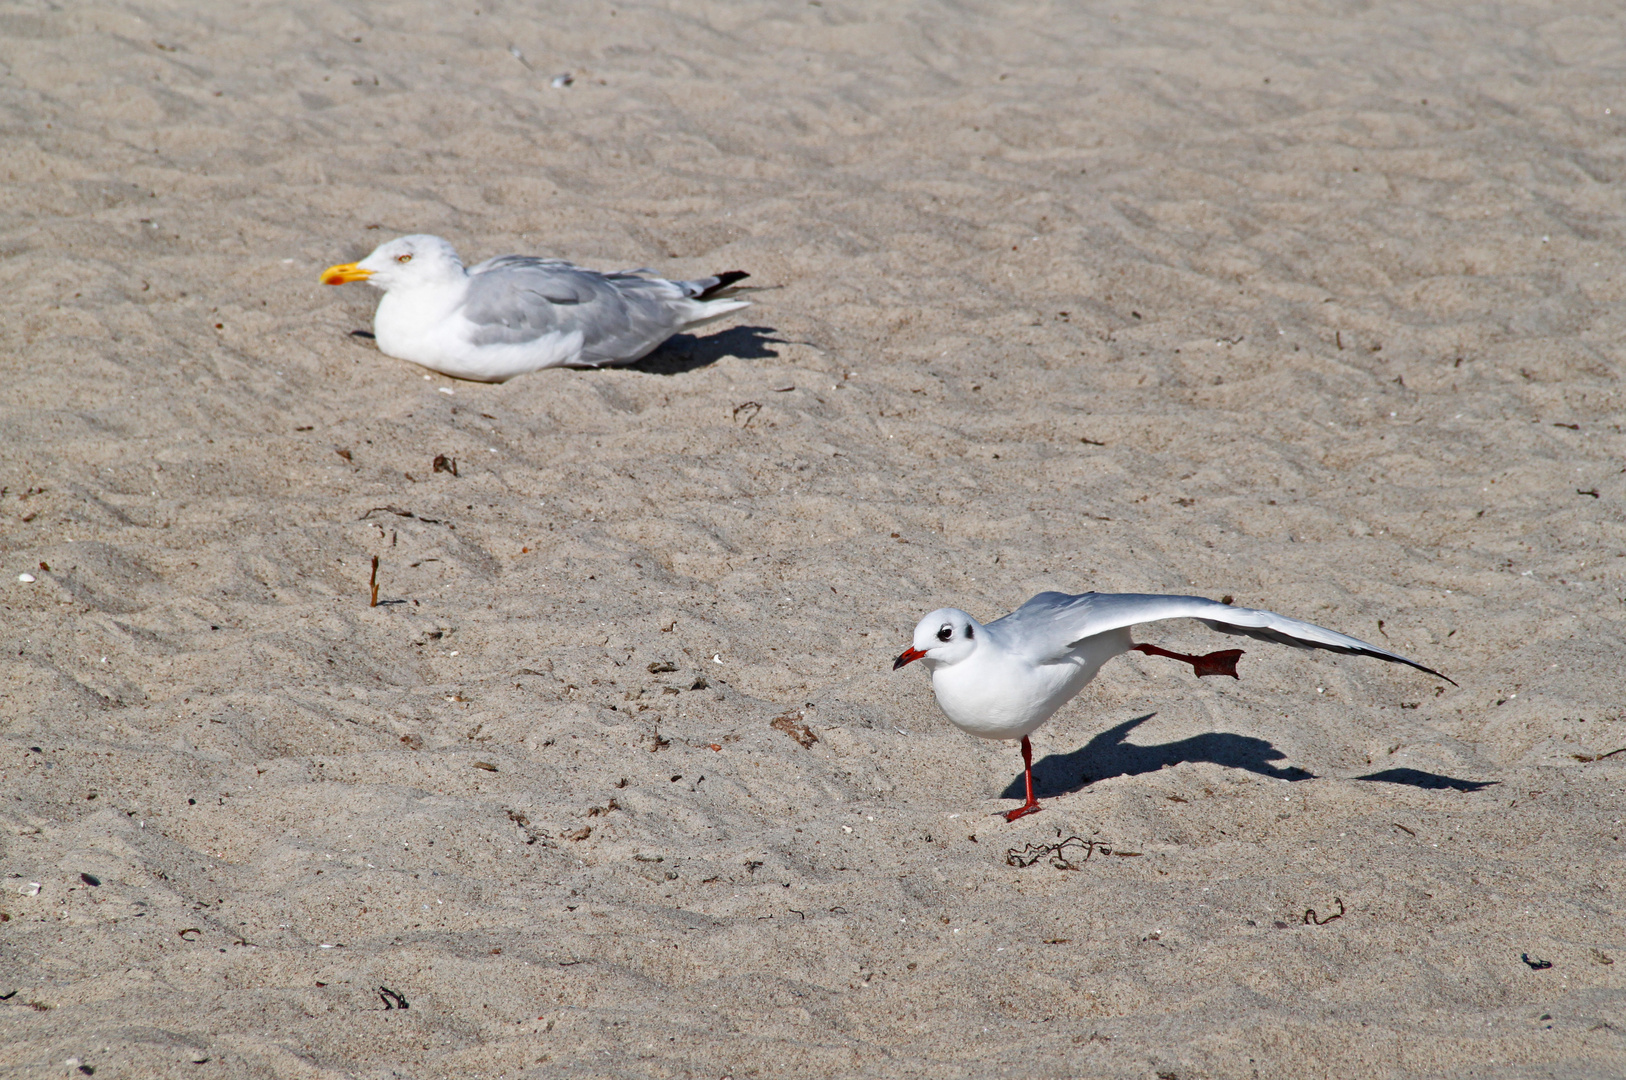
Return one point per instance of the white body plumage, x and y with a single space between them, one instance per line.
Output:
1005 679
516 314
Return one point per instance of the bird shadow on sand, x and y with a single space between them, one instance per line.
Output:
1109 754
684 352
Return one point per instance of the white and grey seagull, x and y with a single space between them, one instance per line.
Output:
1005 679
518 313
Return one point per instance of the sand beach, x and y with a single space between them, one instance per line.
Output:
1314 305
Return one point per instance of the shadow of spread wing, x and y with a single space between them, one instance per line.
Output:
1428 781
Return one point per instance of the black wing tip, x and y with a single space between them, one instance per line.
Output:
1392 658
724 280
1437 675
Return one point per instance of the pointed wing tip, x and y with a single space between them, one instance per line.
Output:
724 280
1429 671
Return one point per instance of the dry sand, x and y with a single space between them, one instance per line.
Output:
1317 305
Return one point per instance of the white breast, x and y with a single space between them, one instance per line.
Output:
413 323
996 695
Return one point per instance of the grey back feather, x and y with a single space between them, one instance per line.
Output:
515 299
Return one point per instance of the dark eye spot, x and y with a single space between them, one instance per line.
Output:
968 633
945 633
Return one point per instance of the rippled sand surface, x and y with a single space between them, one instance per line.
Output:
1314 305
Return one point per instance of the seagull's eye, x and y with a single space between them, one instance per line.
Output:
403 258
945 633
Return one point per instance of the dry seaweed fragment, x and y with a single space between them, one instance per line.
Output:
1058 855
791 724
1312 919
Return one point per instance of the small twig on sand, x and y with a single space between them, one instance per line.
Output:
374 583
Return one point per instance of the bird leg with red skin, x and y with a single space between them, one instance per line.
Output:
1214 663
1032 805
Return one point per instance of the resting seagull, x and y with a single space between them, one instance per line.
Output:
518 313
1003 680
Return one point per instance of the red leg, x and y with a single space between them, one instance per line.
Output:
1214 663
1032 805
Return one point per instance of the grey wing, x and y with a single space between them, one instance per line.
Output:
1051 624
648 311
516 299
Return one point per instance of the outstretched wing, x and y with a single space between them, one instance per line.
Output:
1052 624
517 299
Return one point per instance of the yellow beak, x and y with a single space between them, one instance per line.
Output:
344 273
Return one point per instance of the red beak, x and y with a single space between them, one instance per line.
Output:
908 655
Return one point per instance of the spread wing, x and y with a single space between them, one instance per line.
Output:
516 299
1052 624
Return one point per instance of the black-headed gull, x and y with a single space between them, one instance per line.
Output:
517 313
1003 680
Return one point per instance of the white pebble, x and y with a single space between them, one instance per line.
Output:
25 578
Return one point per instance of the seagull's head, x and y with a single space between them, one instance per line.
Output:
407 260
946 636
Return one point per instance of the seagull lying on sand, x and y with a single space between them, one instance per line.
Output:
1003 680
518 313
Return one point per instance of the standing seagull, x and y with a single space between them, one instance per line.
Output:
1003 680
518 313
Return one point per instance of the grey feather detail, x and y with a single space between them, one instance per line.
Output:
1052 624
516 299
